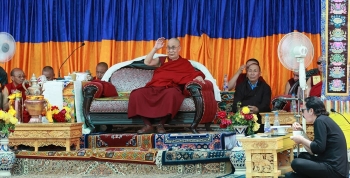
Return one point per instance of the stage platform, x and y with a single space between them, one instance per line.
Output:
123 154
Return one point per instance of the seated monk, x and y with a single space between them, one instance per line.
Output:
101 69
254 93
291 82
48 72
163 95
314 83
17 77
108 89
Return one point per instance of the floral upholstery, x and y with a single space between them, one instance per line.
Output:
121 105
128 79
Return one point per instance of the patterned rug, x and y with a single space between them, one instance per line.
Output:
177 157
126 140
126 155
25 167
211 141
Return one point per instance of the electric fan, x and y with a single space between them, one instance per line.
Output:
7 46
295 52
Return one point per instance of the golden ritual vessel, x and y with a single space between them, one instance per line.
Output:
34 102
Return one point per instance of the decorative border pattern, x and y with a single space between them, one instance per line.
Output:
335 35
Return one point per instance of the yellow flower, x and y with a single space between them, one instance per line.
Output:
11 111
13 120
49 116
256 127
55 111
18 95
7 118
67 109
12 96
245 110
68 117
2 114
255 117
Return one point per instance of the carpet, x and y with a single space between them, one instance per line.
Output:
123 140
211 141
177 157
25 167
125 155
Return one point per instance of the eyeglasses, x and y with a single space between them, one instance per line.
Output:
302 110
319 62
171 48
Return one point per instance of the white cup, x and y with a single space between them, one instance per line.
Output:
67 78
297 132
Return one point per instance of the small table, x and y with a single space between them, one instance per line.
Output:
268 156
287 118
43 134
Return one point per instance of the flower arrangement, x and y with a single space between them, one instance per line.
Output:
55 115
8 120
242 117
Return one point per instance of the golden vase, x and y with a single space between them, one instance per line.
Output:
35 109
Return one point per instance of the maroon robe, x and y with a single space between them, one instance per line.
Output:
316 88
12 88
163 96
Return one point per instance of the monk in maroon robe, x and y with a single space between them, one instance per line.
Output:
101 69
162 96
314 83
17 77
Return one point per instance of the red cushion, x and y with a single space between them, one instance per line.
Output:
99 88
104 89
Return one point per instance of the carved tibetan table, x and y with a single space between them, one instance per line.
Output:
43 134
268 156
287 118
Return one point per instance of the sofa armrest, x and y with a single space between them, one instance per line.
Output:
204 100
89 91
97 86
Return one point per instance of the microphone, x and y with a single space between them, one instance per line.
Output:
59 69
288 99
332 110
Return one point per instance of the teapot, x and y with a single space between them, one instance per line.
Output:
35 88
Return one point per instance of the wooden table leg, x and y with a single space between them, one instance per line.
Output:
67 144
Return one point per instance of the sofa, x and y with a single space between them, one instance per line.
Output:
199 106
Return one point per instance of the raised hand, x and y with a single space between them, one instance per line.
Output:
253 109
240 70
159 43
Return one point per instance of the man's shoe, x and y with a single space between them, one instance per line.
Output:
146 130
160 129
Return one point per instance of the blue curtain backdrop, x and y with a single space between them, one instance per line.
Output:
37 21
221 34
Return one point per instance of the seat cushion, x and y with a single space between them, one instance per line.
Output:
120 104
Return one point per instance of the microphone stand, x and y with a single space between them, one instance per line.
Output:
332 110
59 69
